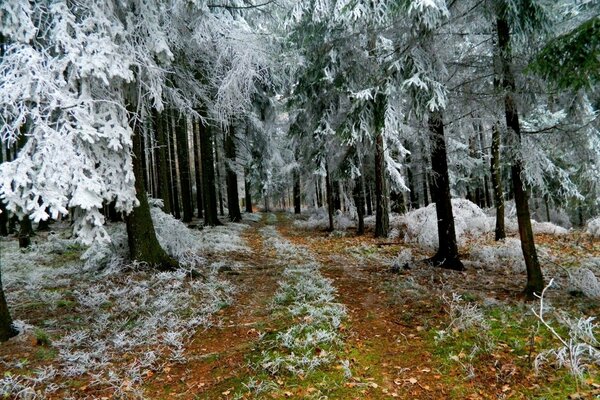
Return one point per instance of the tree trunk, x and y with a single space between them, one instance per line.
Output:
162 172
337 201
247 190
7 329
25 232
329 197
183 161
208 176
3 210
382 217
197 169
143 244
369 198
318 192
173 165
218 172
535 279
297 198
233 197
500 232
447 254
359 202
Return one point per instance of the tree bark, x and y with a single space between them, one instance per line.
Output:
183 161
233 197
141 237
447 254
162 172
359 202
25 232
3 210
197 169
7 329
500 232
218 173
173 165
329 197
208 176
535 279
297 196
318 192
382 217
247 189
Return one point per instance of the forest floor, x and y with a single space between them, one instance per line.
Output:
324 315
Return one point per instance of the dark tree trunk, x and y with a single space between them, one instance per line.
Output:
7 329
382 217
25 232
414 200
447 254
183 161
218 173
233 197
425 189
208 176
547 208
143 244
329 191
3 210
297 198
173 165
535 279
318 192
162 173
369 199
197 169
500 232
247 189
359 202
337 200
143 162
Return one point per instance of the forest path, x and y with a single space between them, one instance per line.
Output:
217 356
381 344
384 347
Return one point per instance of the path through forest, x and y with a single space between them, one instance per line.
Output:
387 347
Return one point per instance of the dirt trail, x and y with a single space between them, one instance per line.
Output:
218 354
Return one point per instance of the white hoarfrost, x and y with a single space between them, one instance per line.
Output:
123 308
593 227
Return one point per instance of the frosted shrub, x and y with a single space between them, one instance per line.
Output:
577 350
341 222
583 280
548 227
506 253
593 227
420 226
108 254
317 220
464 315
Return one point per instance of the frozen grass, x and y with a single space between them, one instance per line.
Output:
577 350
253 217
319 220
505 254
308 298
110 327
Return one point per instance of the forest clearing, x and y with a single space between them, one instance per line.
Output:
316 199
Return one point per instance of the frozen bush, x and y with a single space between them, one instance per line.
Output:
577 350
593 227
583 280
420 226
506 253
